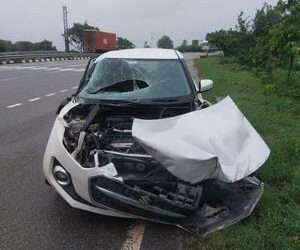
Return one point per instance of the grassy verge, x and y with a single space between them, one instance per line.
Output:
275 222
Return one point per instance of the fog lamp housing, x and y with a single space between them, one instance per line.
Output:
61 175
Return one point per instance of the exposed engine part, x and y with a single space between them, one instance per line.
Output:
80 143
109 140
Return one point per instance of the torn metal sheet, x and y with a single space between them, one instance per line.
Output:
216 142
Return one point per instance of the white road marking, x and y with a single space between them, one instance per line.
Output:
26 67
14 105
134 236
79 70
67 69
79 64
18 67
52 68
34 99
37 68
9 79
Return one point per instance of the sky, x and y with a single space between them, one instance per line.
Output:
136 20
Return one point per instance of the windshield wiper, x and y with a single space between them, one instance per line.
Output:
169 100
116 103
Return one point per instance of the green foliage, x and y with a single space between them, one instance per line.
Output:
75 34
4 45
275 221
269 42
165 42
44 45
146 45
123 43
227 40
184 42
285 38
189 48
264 19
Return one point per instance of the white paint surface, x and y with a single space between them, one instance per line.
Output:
135 236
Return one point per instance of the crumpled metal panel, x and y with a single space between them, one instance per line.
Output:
215 142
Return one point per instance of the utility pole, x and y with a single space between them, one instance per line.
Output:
66 33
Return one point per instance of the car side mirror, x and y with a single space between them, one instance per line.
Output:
205 84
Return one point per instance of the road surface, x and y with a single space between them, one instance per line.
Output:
32 215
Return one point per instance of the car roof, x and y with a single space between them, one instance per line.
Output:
151 53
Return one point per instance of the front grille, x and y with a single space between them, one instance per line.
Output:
134 200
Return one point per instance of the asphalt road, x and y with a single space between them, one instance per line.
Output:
32 215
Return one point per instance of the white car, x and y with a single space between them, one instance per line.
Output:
138 141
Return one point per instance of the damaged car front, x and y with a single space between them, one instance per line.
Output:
136 141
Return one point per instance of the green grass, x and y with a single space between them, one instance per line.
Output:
275 222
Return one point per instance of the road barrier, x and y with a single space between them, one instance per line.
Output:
41 56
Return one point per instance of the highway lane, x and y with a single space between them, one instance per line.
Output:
32 215
18 83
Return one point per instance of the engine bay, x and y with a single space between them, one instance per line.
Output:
108 139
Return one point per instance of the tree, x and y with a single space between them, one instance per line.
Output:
227 40
5 45
123 43
165 42
44 46
23 46
184 43
264 19
285 37
270 42
189 48
75 34
26 46
146 45
243 23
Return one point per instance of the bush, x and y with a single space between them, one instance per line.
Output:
189 48
26 46
4 45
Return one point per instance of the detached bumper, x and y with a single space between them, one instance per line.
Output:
229 207
222 204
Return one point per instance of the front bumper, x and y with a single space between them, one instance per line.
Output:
87 194
80 176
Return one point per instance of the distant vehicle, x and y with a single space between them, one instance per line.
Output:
137 140
95 41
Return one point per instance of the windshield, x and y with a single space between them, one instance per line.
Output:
132 79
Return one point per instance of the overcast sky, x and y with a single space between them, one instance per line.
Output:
35 20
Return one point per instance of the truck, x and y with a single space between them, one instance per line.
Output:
95 41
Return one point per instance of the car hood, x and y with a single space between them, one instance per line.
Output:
215 142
